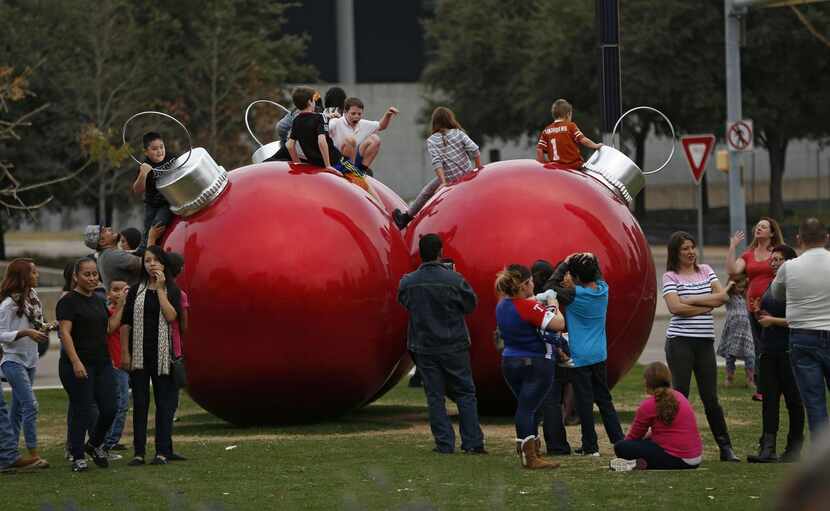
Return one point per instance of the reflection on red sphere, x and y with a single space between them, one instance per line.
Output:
292 276
519 211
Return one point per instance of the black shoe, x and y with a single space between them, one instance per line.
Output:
98 454
766 450
136 461
791 456
176 457
439 451
727 454
159 460
401 219
579 451
118 447
476 450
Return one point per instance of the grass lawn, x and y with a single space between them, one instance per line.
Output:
380 458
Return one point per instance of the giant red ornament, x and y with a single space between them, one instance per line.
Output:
519 211
292 274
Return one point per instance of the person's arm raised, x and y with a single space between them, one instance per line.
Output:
735 265
384 121
140 183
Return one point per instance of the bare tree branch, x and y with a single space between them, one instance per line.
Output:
809 26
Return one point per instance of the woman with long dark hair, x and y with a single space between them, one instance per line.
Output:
674 442
151 308
22 329
754 263
85 367
691 290
527 361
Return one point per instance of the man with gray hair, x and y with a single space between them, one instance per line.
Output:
114 263
805 284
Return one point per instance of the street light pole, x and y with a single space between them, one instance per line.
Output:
734 113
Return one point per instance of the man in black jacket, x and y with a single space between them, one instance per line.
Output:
437 299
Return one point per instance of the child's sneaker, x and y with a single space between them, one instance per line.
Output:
79 465
579 451
623 465
99 455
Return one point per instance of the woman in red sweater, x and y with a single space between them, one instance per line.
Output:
664 434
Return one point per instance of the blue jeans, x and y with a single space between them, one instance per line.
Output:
154 215
24 405
8 441
440 371
810 359
122 406
530 379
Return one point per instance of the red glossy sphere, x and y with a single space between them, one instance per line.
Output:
292 276
520 211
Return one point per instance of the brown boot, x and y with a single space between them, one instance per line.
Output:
538 444
529 458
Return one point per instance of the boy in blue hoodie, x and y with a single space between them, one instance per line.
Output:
585 317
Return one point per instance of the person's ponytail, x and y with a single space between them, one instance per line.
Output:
509 280
666 404
658 383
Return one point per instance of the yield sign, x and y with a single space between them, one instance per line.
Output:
697 149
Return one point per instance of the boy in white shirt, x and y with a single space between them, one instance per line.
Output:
355 137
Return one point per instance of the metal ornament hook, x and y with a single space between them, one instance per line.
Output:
671 127
148 112
247 111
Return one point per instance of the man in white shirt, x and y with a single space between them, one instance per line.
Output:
805 284
356 137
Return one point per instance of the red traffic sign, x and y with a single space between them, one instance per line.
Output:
740 135
697 149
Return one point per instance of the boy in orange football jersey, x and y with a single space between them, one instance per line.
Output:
557 143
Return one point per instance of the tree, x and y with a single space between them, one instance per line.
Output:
14 87
233 56
786 81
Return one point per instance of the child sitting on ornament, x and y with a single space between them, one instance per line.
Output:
558 141
156 208
311 131
453 155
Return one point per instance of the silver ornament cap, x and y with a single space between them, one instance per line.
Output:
194 183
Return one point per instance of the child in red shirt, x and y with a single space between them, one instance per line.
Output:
558 141
115 294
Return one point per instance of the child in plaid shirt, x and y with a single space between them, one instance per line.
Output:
452 154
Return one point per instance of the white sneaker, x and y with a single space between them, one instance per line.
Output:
113 456
622 465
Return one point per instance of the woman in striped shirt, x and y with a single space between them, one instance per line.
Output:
691 291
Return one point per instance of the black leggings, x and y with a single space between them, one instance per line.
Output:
656 457
688 355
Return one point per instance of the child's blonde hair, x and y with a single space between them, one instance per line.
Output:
560 109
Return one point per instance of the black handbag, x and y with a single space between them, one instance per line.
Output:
178 372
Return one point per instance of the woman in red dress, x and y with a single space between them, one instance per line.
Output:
754 263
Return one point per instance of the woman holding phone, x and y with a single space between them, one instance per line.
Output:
151 308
